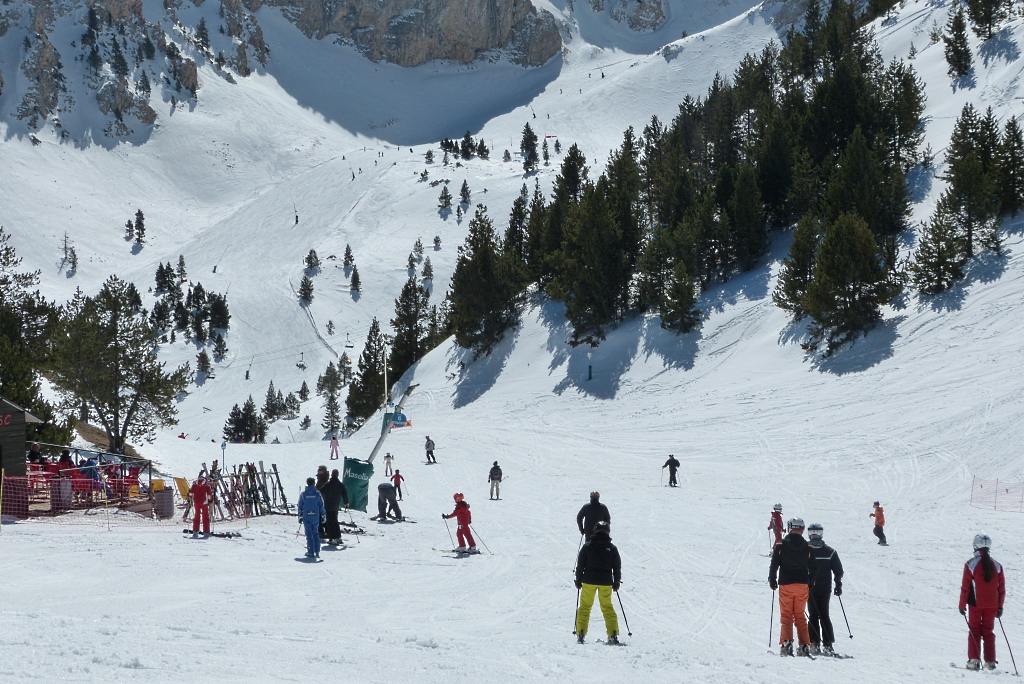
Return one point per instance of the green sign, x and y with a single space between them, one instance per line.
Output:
357 482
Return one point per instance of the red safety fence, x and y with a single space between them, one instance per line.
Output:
999 495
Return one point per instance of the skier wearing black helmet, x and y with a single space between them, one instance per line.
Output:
790 574
591 514
598 571
826 566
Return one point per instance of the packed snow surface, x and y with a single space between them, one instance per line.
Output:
907 415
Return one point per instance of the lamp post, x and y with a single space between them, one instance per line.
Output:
590 368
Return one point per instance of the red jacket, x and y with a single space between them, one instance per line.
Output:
776 522
975 591
397 479
461 512
201 494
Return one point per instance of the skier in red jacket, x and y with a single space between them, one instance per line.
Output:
462 514
202 495
775 523
398 479
983 588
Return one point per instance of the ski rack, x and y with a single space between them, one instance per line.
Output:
245 492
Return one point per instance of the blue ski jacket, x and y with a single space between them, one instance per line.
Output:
311 504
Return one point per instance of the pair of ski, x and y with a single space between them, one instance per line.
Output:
964 667
221 535
458 553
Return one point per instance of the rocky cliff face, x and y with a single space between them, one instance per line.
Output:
411 32
639 15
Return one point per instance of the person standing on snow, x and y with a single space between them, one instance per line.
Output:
334 447
465 519
429 446
397 480
672 464
790 574
983 588
202 495
494 477
598 570
591 514
386 502
312 514
879 516
826 566
334 493
388 461
775 522
322 476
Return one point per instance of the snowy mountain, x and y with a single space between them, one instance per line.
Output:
906 415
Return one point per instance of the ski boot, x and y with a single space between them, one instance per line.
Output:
815 649
973 664
786 648
613 639
803 650
472 549
460 549
990 664
580 637
195 535
827 650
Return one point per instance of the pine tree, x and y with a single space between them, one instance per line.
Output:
345 369
848 287
749 229
1010 165
220 347
118 64
678 310
481 150
545 154
417 249
73 259
304 392
428 270
444 200
861 184
410 262
958 52
901 108
507 156
291 406
468 146
199 329
220 316
305 423
349 260
437 242
528 148
940 256
203 362
458 213
181 268
428 157
328 386
558 147
140 223
312 262
366 391
445 161
354 284
144 86
409 325
94 60
986 15
973 203
202 35
464 194
306 290
129 230
798 267
332 415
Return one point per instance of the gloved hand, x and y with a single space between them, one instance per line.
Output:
323 519
300 519
838 590
579 585
444 515
615 586
773 584
999 612
963 611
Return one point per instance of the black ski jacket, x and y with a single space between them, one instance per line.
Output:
672 464
791 560
334 492
591 514
599 562
825 565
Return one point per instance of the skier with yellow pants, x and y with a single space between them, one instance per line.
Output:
598 571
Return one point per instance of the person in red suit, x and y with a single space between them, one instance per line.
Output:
202 495
465 518
983 588
775 523
397 479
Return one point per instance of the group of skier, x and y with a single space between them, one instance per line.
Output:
598 569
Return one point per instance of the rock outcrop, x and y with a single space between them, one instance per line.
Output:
411 32
639 15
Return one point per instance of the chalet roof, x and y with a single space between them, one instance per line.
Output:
8 405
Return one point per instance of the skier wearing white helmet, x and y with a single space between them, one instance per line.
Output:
983 589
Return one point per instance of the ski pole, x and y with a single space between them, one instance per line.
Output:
1008 646
578 554
771 620
449 532
662 480
624 618
844 616
576 616
481 540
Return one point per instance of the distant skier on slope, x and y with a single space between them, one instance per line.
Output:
672 464
397 480
826 566
598 570
202 495
775 522
334 492
494 477
790 574
879 531
388 462
334 447
386 503
312 514
591 514
429 446
465 519
983 588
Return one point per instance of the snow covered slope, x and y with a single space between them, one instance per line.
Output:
906 415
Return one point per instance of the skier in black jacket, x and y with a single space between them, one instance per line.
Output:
591 514
598 570
826 565
672 464
333 493
790 574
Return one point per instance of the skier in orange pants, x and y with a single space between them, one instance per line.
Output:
790 574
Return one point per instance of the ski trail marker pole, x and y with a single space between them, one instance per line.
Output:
449 532
624 618
481 540
1008 646
771 621
844 616
577 615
